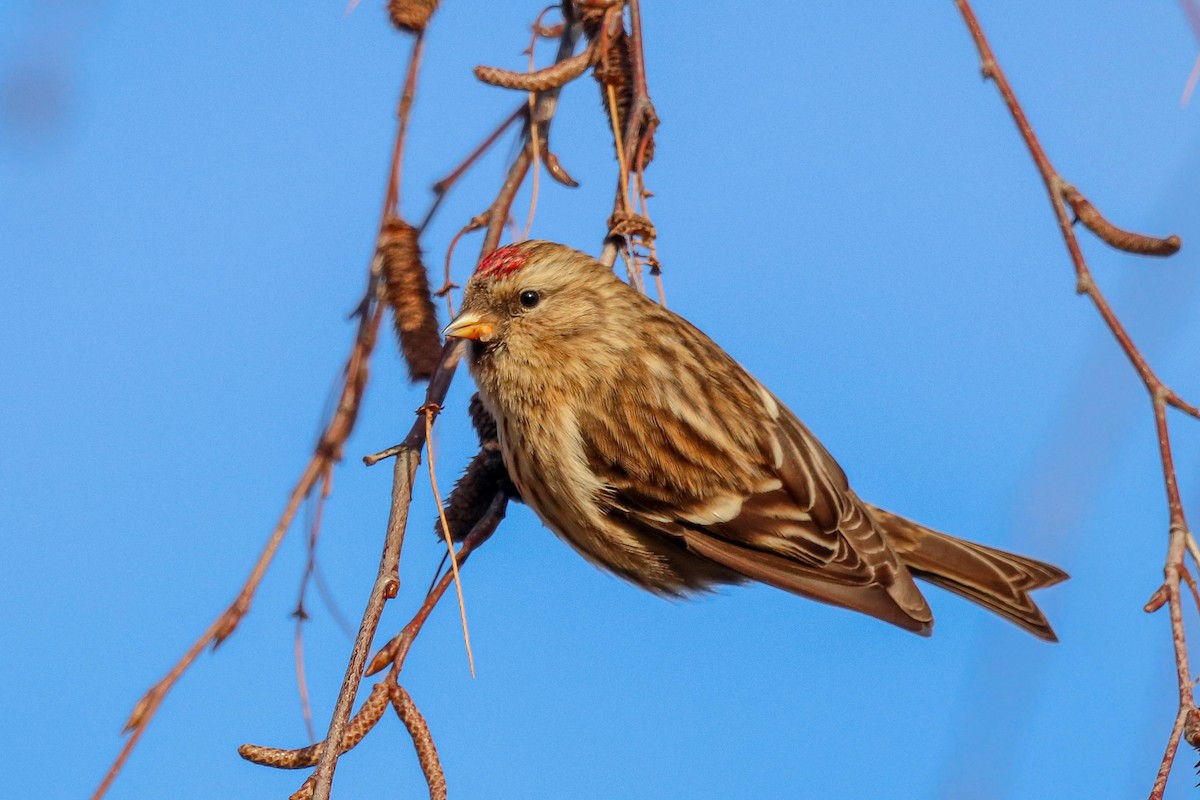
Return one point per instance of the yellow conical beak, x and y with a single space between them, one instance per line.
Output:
470 325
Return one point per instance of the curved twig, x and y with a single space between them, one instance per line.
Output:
1161 396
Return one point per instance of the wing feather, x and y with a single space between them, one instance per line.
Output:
728 469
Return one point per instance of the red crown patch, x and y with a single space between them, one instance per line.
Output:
502 262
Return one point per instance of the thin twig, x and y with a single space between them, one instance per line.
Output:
448 284
443 186
391 201
543 113
396 650
326 452
535 139
1161 395
300 613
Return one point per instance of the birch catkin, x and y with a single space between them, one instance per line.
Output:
406 285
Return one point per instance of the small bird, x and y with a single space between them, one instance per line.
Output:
644 445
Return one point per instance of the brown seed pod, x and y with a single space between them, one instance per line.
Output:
356 728
418 728
406 286
552 77
483 421
614 67
484 478
411 15
1129 241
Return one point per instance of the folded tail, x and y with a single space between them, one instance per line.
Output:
992 578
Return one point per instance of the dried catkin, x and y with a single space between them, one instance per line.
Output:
407 290
615 68
411 15
484 478
483 421
418 728
357 727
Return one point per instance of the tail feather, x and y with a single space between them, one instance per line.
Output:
994 579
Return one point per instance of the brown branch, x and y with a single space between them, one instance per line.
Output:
326 453
448 284
442 187
387 583
641 119
395 651
1161 396
391 198
543 113
631 113
300 613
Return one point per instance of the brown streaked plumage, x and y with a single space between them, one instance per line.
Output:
653 453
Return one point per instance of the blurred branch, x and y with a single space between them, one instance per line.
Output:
1062 195
326 454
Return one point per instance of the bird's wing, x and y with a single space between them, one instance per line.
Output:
720 462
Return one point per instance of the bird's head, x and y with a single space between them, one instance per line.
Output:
534 298
541 315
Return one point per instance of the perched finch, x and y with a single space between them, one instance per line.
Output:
658 457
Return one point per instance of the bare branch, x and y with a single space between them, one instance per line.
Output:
396 650
387 583
1161 396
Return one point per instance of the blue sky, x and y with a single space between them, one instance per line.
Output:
842 203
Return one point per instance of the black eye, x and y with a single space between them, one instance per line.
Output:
529 298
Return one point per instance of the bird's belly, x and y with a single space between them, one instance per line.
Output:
554 479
